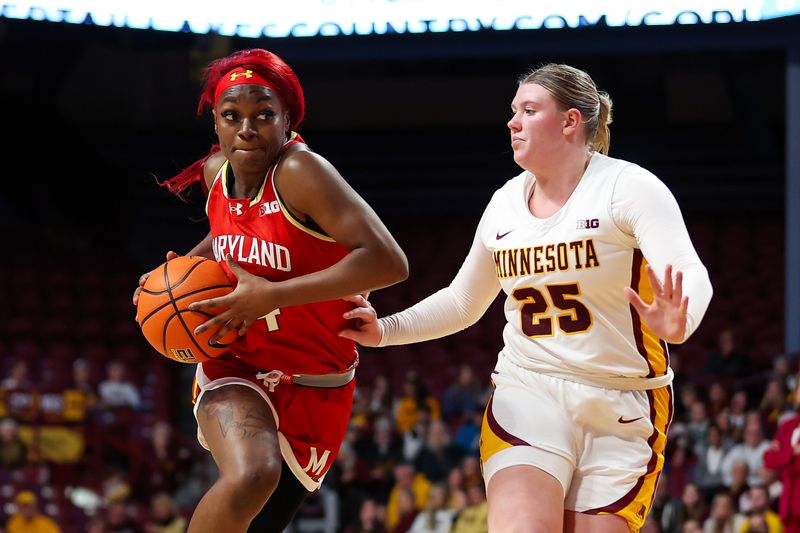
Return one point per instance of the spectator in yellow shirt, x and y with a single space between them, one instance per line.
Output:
27 518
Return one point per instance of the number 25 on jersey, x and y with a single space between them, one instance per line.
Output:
534 316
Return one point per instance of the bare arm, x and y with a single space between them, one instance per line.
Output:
311 187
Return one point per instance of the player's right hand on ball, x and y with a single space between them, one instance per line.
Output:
366 330
143 278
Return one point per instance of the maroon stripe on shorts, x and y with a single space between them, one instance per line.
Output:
499 431
651 465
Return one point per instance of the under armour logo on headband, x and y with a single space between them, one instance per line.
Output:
246 74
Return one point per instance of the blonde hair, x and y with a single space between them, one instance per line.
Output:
574 88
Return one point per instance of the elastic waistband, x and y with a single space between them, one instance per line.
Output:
274 378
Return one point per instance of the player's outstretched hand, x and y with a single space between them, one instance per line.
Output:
248 302
170 255
666 314
366 330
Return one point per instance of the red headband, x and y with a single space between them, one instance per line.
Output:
239 76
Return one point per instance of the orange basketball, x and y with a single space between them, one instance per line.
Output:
163 309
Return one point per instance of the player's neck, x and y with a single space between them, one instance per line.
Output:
243 184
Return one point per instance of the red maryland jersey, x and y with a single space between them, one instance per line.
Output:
264 238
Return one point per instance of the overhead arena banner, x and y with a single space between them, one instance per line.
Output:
320 18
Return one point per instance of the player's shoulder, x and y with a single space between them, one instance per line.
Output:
514 186
211 168
299 161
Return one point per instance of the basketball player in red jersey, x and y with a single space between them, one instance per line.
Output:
273 410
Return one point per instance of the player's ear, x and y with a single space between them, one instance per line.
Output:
572 120
214 116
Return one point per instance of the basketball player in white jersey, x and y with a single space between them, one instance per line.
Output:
574 435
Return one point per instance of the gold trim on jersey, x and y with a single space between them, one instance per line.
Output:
195 390
650 346
256 198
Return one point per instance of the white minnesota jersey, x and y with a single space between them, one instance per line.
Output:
564 277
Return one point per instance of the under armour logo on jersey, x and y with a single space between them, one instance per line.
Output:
236 209
589 223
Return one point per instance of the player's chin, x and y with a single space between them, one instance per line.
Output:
250 159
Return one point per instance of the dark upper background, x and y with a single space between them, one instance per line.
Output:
416 123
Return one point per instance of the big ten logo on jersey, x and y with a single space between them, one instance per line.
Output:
268 208
588 223
316 463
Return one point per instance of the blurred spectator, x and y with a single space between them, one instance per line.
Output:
729 361
471 468
690 506
369 519
687 396
438 457
414 401
708 471
774 486
760 518
463 395
738 413
380 402
13 451
474 518
680 464
27 518
783 456
773 403
382 454
17 378
660 500
119 518
698 425
717 398
750 452
415 438
724 518
406 480
163 516
116 390
455 485
781 370
468 434
360 414
80 397
163 465
437 517
691 526
404 508
739 488
96 525
723 422
82 377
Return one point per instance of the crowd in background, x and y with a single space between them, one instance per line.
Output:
409 461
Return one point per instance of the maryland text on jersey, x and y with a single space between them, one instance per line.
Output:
255 251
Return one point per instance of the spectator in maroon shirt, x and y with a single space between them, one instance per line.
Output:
783 456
